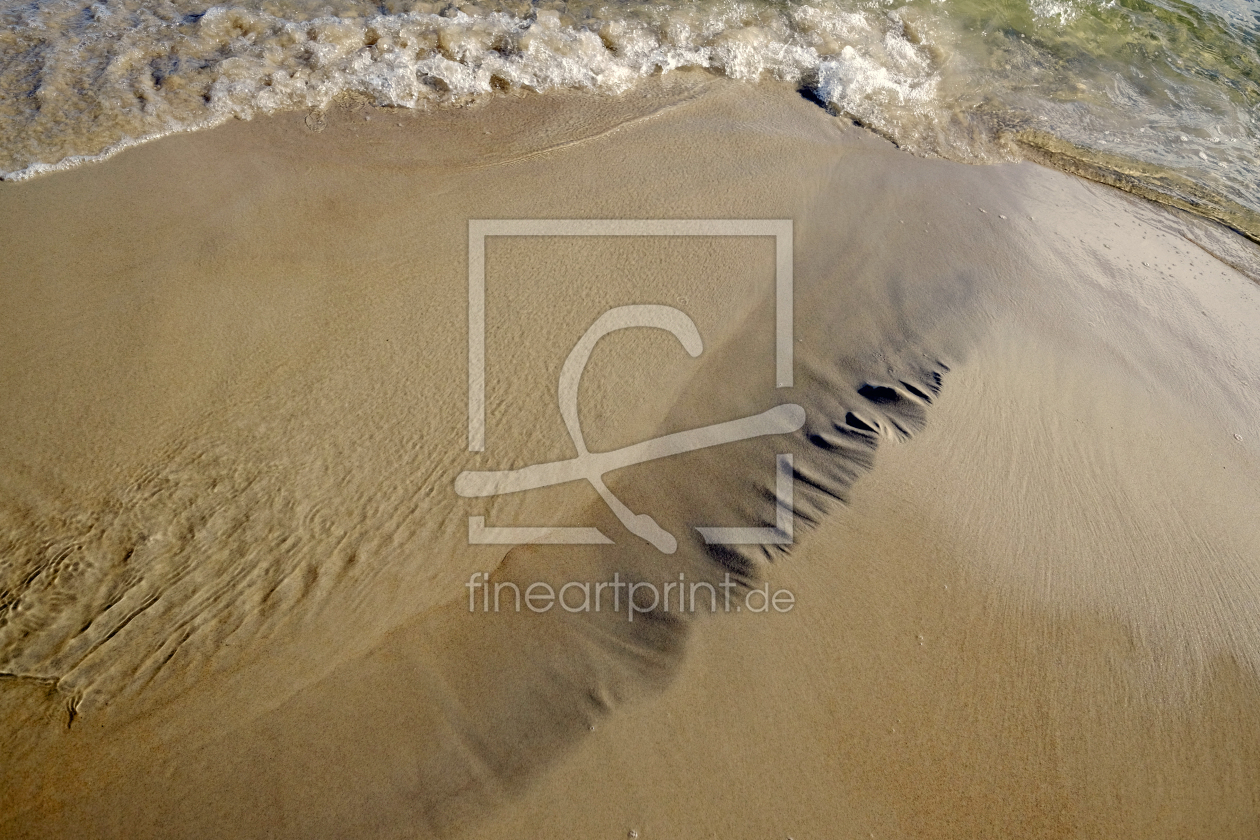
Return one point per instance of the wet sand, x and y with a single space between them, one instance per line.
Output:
235 365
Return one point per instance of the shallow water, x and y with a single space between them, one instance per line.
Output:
1164 91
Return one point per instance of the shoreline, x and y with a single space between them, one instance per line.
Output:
1141 180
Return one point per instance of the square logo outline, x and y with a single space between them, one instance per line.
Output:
479 229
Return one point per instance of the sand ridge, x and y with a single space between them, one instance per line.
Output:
1023 533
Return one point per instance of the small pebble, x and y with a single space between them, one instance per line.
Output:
1238 438
633 835
1000 216
982 210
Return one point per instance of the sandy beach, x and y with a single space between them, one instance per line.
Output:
1024 563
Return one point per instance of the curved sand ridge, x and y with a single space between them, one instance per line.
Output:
1051 560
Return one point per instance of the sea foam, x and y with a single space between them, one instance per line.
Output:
1169 86
91 82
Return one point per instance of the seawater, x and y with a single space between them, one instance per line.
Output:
1161 96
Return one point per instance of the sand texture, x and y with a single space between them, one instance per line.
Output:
1026 561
